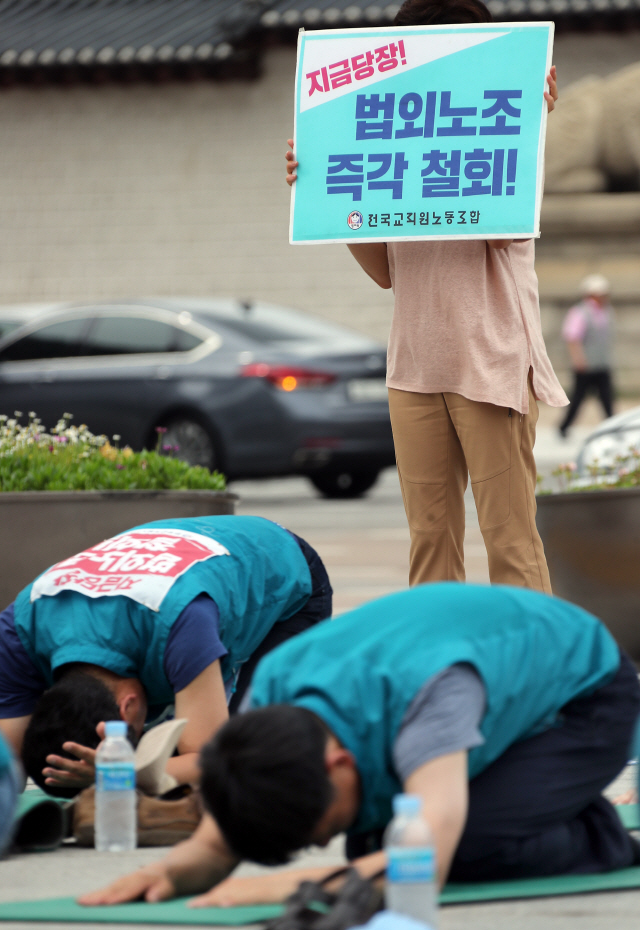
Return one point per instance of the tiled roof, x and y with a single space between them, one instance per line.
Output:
45 33
328 13
63 32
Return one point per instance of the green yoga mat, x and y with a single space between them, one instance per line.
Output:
41 821
66 910
554 886
629 815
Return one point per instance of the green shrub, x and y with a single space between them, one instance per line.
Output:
71 458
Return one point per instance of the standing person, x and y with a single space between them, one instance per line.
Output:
507 711
175 612
466 366
588 332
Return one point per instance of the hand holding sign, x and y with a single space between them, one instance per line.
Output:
551 95
292 164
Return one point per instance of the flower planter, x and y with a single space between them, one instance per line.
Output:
592 543
40 528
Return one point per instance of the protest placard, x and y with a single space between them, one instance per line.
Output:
420 132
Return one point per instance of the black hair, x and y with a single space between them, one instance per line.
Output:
265 782
442 13
70 710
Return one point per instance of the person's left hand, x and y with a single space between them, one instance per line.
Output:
73 773
238 892
551 95
69 773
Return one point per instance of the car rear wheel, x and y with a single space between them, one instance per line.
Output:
345 482
190 441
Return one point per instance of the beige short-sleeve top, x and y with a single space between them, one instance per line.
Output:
467 320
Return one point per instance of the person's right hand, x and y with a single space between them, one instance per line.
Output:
191 867
152 883
292 164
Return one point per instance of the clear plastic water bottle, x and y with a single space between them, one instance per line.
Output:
115 819
411 886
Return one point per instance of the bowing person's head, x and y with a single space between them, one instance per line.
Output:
276 780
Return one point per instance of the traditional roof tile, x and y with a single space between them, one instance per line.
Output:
48 33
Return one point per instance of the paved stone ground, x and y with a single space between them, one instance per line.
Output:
365 546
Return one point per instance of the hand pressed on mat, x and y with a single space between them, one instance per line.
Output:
260 889
198 863
151 883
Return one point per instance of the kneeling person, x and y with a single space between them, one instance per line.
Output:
176 612
506 710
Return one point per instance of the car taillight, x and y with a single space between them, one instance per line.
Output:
287 377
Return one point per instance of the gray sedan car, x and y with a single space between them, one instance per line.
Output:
14 316
248 388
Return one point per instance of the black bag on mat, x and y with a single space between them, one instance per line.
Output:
313 907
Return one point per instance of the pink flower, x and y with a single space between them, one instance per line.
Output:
161 429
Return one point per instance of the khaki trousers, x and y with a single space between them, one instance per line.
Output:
439 440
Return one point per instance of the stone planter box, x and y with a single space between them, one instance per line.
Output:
592 543
40 528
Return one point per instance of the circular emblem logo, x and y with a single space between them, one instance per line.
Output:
355 220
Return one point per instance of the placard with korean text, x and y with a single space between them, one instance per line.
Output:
420 132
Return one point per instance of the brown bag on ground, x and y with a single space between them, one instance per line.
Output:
161 821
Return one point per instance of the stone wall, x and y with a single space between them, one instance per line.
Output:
120 191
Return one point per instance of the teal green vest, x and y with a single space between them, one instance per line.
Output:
264 579
5 755
360 672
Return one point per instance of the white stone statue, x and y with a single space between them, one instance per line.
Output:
594 133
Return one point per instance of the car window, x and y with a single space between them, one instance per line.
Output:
186 341
58 340
7 327
273 327
126 335
263 332
267 324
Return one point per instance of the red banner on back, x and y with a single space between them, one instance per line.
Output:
142 565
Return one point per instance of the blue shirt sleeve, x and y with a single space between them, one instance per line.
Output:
21 684
194 642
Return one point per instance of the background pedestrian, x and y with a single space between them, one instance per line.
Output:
588 332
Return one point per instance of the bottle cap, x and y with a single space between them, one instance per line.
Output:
115 728
407 804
